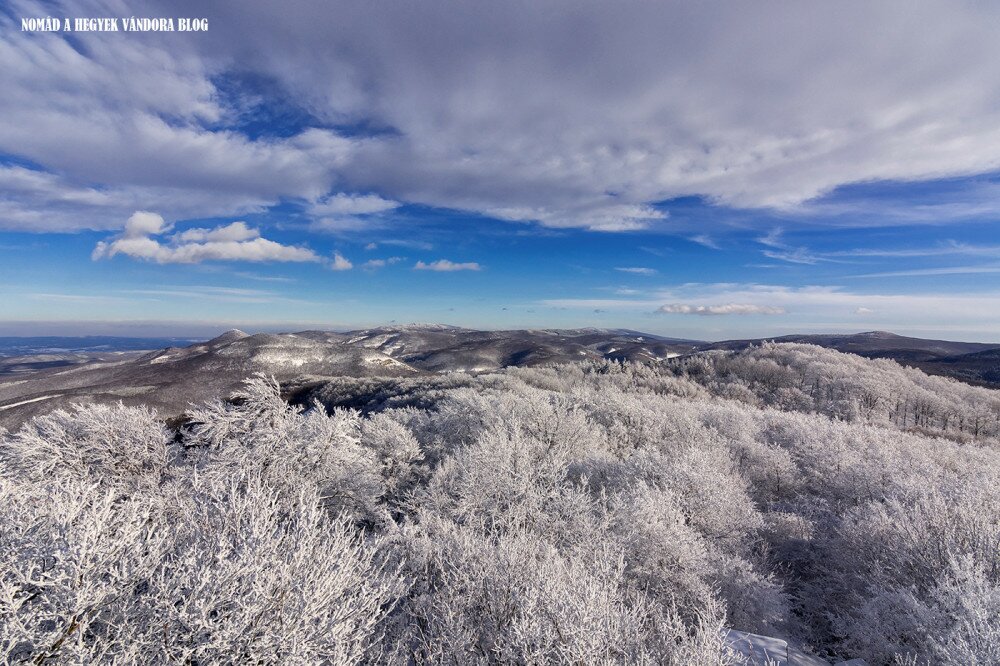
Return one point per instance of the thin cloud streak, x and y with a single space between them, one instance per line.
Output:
927 272
638 270
446 266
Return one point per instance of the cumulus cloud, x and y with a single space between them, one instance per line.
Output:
637 270
724 309
340 263
232 242
864 311
143 223
444 265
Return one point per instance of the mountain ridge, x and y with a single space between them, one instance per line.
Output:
172 377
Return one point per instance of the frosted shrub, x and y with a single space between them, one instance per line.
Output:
74 557
99 443
247 574
513 599
256 576
504 481
260 433
965 628
665 555
553 419
678 565
399 456
715 502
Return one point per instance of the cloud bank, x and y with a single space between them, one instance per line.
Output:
569 114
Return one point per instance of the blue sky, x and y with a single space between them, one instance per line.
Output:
703 172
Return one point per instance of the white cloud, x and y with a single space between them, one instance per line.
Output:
344 213
143 223
340 225
945 249
400 242
237 231
795 256
340 263
38 201
600 213
924 272
212 293
705 240
373 264
347 204
824 307
864 311
786 252
514 112
445 265
234 242
724 309
637 270
774 238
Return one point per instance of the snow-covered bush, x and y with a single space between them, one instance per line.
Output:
260 433
511 598
106 444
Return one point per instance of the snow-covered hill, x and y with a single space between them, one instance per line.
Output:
172 378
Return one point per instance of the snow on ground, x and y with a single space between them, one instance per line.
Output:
25 402
385 362
130 391
758 650
164 358
286 358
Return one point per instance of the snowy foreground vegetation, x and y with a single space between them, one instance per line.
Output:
584 514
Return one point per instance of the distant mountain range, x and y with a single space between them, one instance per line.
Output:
172 375
19 355
21 346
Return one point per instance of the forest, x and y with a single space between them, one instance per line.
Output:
593 513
